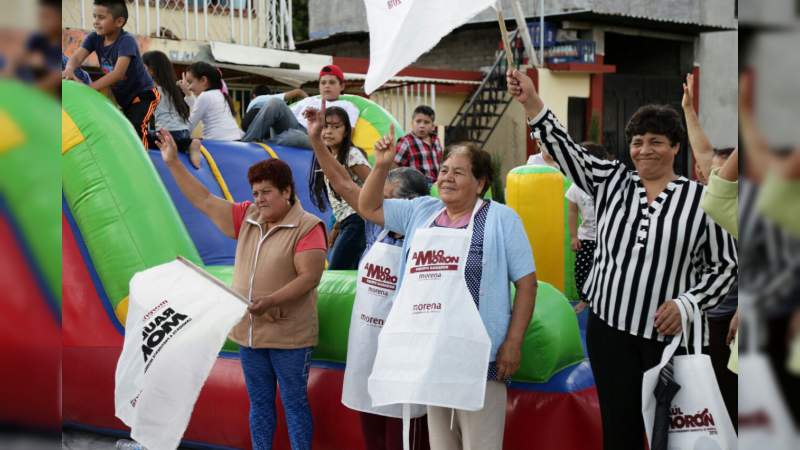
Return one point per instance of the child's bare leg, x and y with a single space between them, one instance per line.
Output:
194 153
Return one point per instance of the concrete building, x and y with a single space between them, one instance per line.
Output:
642 51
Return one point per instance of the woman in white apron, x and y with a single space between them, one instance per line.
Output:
378 273
452 339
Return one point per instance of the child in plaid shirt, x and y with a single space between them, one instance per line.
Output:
421 148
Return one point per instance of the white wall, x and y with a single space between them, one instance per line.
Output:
717 56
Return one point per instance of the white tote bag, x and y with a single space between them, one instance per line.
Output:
764 420
178 319
699 419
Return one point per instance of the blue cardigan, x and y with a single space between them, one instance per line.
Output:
507 255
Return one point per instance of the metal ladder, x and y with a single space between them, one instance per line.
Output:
480 113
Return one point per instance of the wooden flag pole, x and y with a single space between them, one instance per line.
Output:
504 32
212 279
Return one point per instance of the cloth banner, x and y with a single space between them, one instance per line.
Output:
178 319
400 31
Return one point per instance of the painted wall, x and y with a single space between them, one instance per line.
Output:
557 87
718 60
219 26
507 141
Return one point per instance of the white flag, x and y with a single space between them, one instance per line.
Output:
178 319
400 31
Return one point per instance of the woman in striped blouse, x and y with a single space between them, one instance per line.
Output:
655 247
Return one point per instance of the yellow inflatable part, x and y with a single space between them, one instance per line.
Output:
217 175
10 134
70 134
268 149
121 311
365 136
536 193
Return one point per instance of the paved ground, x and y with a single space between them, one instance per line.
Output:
13 441
80 440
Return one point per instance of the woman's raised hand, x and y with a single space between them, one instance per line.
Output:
316 120
385 150
165 143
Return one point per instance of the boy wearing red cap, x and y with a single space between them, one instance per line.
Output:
283 126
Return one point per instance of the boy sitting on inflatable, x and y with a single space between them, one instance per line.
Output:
283 126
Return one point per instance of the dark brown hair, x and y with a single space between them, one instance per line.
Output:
274 171
316 179
117 8
202 69
480 160
164 76
597 150
723 152
656 119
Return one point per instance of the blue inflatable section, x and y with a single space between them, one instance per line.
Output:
232 160
214 247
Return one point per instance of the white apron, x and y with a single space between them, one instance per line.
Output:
434 348
376 288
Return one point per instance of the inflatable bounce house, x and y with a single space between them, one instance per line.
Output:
537 193
30 273
123 213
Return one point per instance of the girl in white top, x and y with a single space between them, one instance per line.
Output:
207 95
350 240
583 237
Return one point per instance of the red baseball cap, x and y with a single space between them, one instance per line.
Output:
334 70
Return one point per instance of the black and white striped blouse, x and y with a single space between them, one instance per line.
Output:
770 258
646 254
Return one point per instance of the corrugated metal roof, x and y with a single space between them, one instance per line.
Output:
665 16
623 19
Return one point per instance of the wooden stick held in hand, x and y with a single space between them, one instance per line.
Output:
504 33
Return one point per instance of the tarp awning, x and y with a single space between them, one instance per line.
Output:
266 62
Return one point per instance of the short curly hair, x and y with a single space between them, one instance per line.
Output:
656 119
274 171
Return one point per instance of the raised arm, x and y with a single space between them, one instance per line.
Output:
117 74
730 169
720 199
759 159
336 173
370 202
573 160
702 149
196 108
217 209
294 94
74 63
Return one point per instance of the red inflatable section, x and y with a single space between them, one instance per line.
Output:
29 343
92 345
